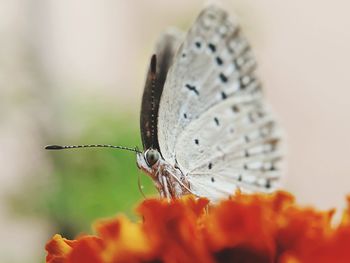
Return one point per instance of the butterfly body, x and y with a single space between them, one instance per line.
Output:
205 125
169 180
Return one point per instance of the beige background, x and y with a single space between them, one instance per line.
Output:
101 49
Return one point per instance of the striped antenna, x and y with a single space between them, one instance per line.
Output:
59 147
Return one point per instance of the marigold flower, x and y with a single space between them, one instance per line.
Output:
255 228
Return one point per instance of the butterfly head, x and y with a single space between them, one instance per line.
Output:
148 160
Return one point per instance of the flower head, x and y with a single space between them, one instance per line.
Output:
245 228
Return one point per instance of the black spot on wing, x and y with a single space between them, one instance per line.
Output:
223 78
217 121
210 165
219 61
198 44
212 47
235 108
192 88
212 179
196 141
223 95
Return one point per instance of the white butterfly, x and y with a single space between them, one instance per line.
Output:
205 127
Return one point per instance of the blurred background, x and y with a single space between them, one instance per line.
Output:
72 72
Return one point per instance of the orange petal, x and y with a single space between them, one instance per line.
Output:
87 249
174 230
124 240
57 249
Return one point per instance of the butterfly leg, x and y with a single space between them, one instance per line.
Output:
166 189
158 184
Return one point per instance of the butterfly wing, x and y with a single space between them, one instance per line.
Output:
238 147
165 50
213 122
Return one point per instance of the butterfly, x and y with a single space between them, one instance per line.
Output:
206 129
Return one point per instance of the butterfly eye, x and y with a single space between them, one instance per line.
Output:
152 156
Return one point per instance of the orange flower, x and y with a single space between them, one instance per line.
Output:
85 249
246 228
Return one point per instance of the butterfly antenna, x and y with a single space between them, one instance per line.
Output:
59 147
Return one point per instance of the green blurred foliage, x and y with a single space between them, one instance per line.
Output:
89 184
95 183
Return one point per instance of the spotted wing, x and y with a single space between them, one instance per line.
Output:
213 122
